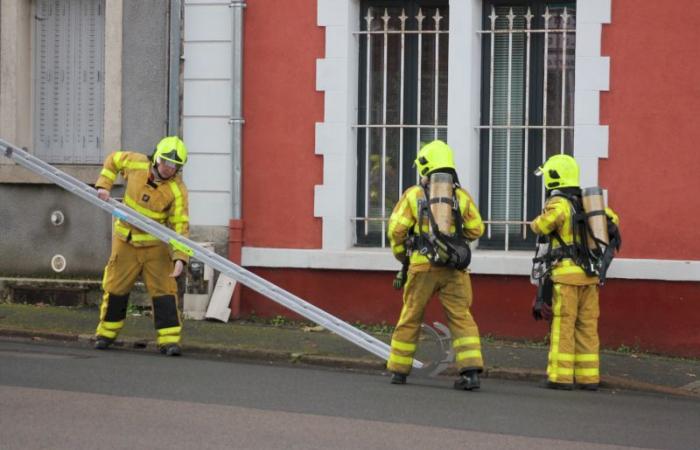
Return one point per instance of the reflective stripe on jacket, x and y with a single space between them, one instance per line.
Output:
405 217
166 202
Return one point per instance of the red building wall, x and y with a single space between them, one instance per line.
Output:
653 168
651 108
281 107
650 315
651 174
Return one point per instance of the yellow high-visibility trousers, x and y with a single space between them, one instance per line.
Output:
455 294
574 344
125 265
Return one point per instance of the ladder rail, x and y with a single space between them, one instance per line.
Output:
223 265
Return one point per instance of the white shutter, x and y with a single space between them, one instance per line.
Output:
69 81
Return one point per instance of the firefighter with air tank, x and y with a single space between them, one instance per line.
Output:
429 230
578 237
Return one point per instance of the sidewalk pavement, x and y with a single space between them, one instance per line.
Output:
301 344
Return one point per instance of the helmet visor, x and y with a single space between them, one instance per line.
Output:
167 163
539 172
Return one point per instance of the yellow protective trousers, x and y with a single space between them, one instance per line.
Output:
574 344
455 293
125 265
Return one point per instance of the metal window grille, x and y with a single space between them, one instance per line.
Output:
402 103
528 53
69 81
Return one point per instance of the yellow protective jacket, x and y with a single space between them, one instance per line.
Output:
405 217
556 216
163 201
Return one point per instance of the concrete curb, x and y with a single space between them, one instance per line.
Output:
240 353
37 335
606 381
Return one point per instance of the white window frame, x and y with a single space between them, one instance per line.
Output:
335 200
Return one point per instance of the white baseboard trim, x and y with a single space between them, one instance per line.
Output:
483 263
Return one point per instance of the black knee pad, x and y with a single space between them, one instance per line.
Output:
116 308
165 312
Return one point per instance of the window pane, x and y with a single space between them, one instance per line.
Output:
560 73
402 103
527 83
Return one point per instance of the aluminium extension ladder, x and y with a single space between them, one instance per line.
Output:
223 265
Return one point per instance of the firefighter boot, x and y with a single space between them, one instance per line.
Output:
171 350
587 386
468 380
103 343
398 378
559 386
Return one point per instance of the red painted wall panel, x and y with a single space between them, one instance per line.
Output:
652 315
281 107
651 173
652 109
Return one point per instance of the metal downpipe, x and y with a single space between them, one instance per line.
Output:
175 68
236 119
235 241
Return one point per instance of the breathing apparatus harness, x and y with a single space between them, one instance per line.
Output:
594 262
439 248
442 249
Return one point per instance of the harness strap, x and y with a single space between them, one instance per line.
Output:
448 200
427 240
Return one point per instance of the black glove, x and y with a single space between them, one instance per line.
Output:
537 308
547 312
541 310
542 304
400 279
614 235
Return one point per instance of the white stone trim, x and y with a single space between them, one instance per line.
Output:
336 76
464 90
483 263
592 77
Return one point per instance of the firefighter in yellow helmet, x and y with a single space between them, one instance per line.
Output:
155 189
573 282
437 257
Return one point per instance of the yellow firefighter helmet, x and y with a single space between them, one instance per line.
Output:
559 171
171 149
433 156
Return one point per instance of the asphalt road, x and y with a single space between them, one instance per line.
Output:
54 397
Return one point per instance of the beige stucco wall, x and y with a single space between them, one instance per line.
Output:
15 72
113 74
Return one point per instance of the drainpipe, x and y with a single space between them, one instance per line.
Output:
175 67
235 240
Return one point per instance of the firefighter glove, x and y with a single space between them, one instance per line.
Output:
400 279
541 310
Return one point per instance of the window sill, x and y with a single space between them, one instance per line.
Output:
484 262
12 173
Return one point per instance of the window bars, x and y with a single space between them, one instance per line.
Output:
529 83
402 104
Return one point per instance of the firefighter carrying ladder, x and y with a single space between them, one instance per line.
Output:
223 265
